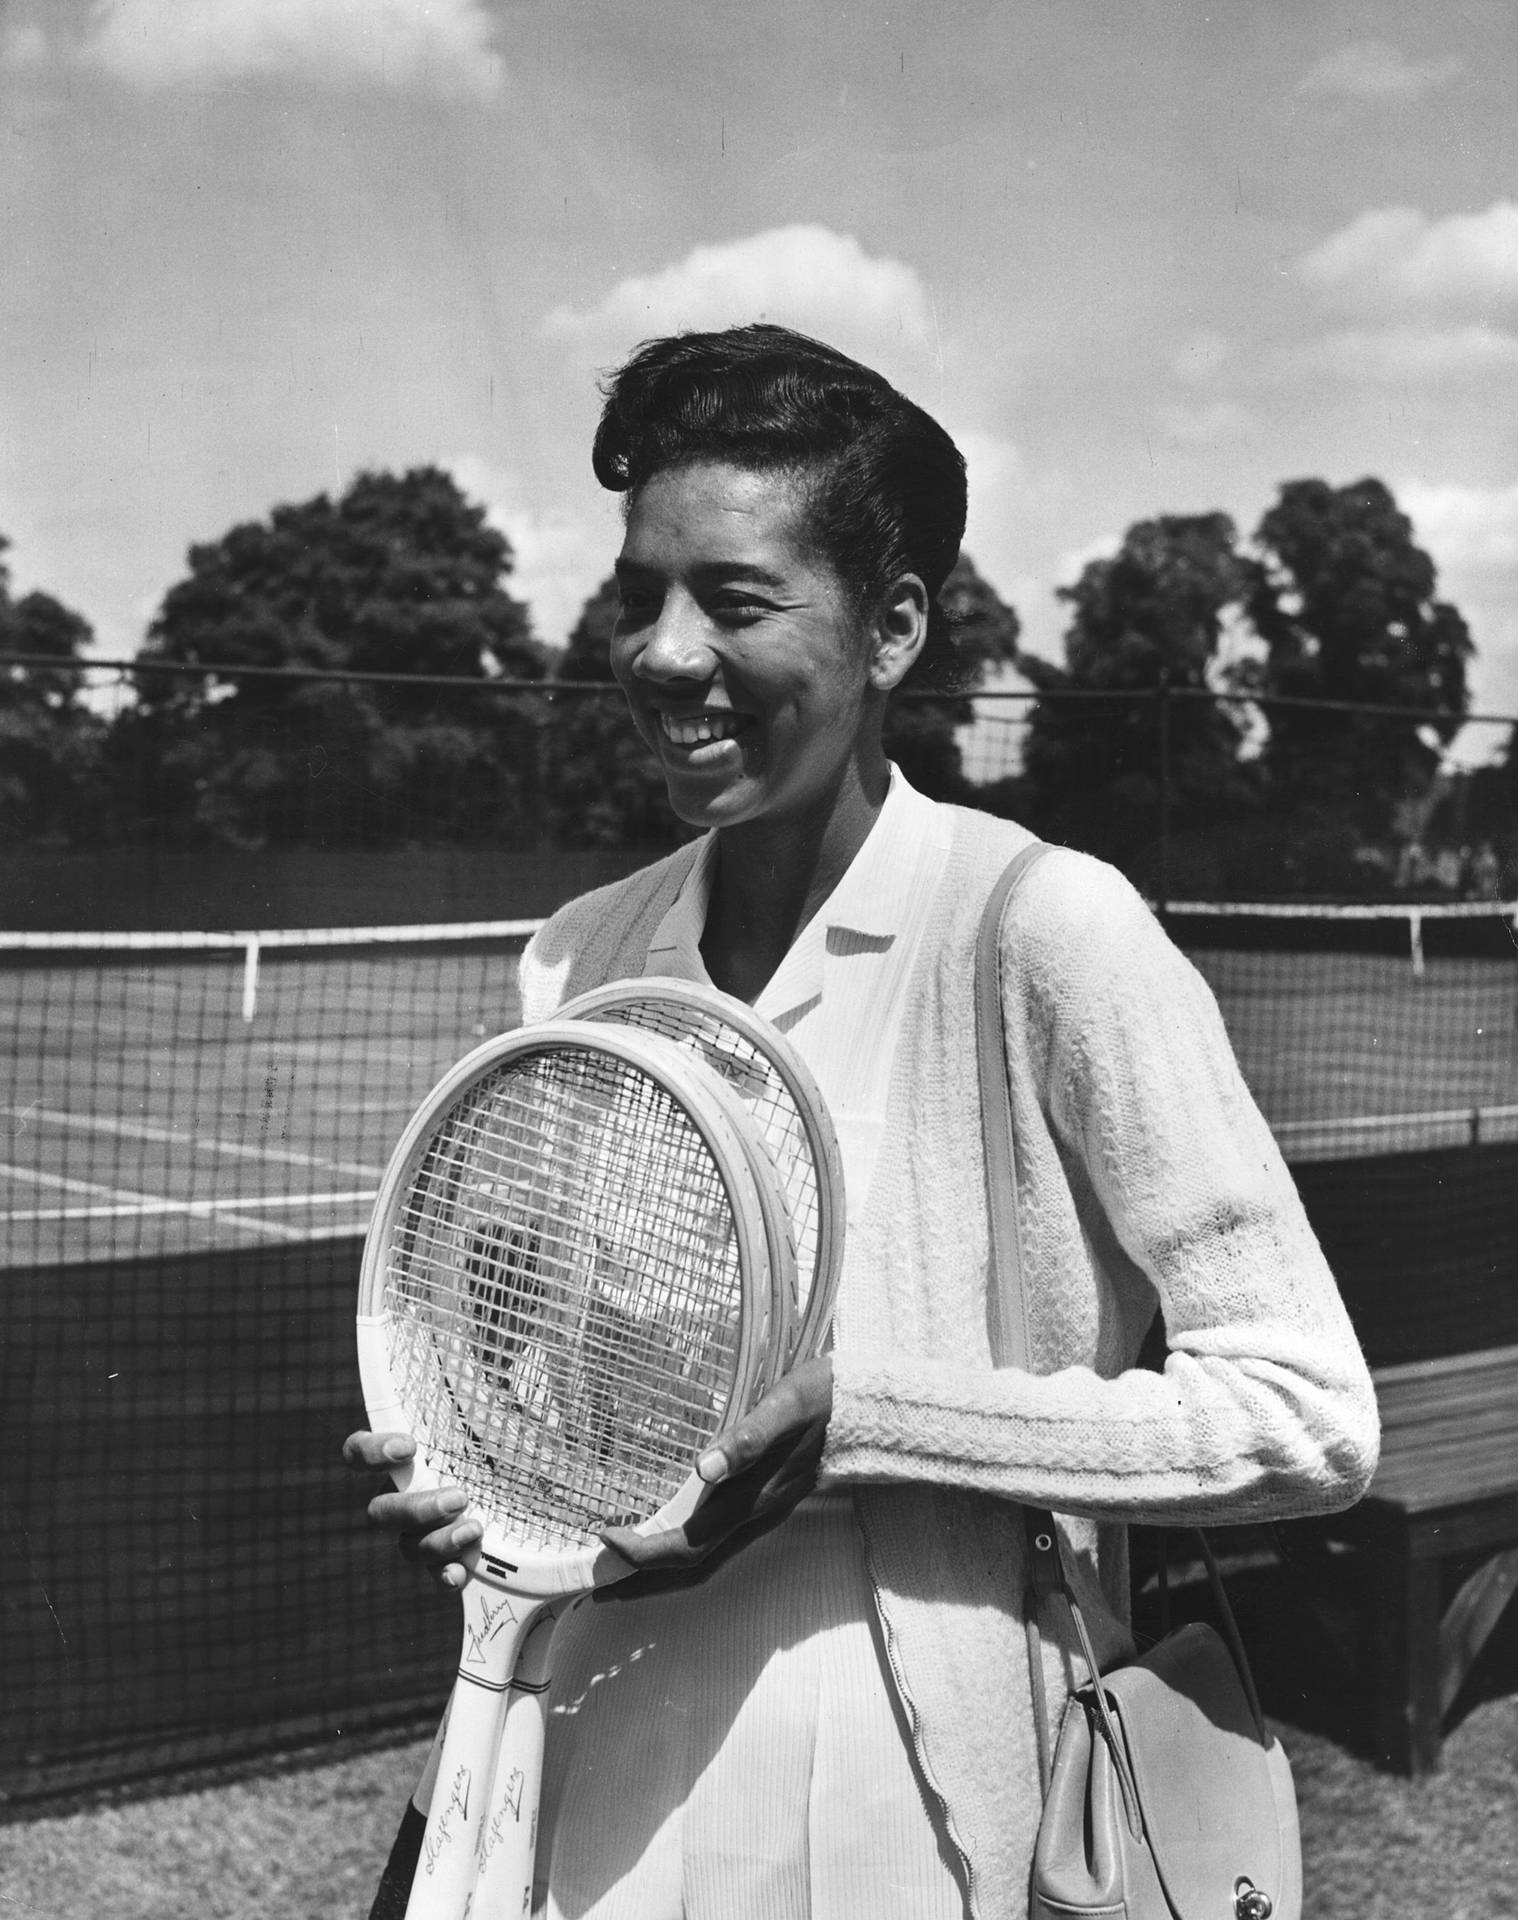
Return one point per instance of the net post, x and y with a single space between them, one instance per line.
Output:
1162 713
250 977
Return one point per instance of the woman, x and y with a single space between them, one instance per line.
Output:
815 1701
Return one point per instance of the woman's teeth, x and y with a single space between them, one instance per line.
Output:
697 733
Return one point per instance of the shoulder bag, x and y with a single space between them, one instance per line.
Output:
1165 1797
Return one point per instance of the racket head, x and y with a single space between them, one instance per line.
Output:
565 1290
782 1100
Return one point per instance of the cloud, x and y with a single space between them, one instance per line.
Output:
1401 354
560 557
1466 527
1212 424
1199 356
1074 561
1466 263
999 486
22 47
1472 534
1373 70
808 277
438 46
994 469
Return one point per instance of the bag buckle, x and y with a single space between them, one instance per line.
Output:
1249 1901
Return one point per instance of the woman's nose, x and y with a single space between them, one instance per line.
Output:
675 646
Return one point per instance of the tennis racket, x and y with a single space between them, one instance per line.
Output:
793 1138
566 1291
781 1099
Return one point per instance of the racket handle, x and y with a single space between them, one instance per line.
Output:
394 1888
493 1630
509 1837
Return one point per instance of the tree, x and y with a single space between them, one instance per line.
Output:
921 731
49 738
403 576
1099 772
1344 601
605 786
1492 821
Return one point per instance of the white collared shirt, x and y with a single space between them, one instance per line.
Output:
839 994
769 1670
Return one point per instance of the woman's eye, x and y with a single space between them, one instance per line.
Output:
738 609
634 608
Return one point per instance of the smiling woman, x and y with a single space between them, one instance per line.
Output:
779 580
813 1700
757 684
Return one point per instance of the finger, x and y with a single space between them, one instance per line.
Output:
761 1496
417 1512
783 1434
755 1498
734 1515
764 1427
671 1548
447 1554
799 1404
373 1452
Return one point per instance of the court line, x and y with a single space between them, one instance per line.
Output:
132 1209
130 1205
402 1103
174 1137
1437 1118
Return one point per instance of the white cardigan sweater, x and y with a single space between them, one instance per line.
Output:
1146 1177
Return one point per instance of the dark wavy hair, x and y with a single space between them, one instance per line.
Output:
885 484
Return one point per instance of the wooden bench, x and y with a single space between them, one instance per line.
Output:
1446 1490
1425 1249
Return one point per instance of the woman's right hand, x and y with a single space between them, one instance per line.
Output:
428 1525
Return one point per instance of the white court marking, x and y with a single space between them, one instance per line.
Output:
400 1104
127 1205
176 1137
130 1206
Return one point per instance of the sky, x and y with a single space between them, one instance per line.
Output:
1140 257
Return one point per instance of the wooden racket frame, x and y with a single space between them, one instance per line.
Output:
497 1703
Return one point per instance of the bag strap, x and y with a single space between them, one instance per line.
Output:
1007 1308
1007 1319
1011 1337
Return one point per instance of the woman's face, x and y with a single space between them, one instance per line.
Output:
745 667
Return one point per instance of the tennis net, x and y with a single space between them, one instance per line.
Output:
1367 1029
197 1124
182 1091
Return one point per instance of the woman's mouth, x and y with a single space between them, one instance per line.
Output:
700 729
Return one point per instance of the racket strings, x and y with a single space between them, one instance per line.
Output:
565 1295
769 1102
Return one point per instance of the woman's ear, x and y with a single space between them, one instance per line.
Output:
900 632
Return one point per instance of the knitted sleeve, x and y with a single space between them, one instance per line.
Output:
598 936
1264 1407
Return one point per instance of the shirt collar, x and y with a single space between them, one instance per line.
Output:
872 900
874 895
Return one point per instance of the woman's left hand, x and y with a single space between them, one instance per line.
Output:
755 1474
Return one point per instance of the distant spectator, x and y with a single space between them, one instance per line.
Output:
1412 866
1485 873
